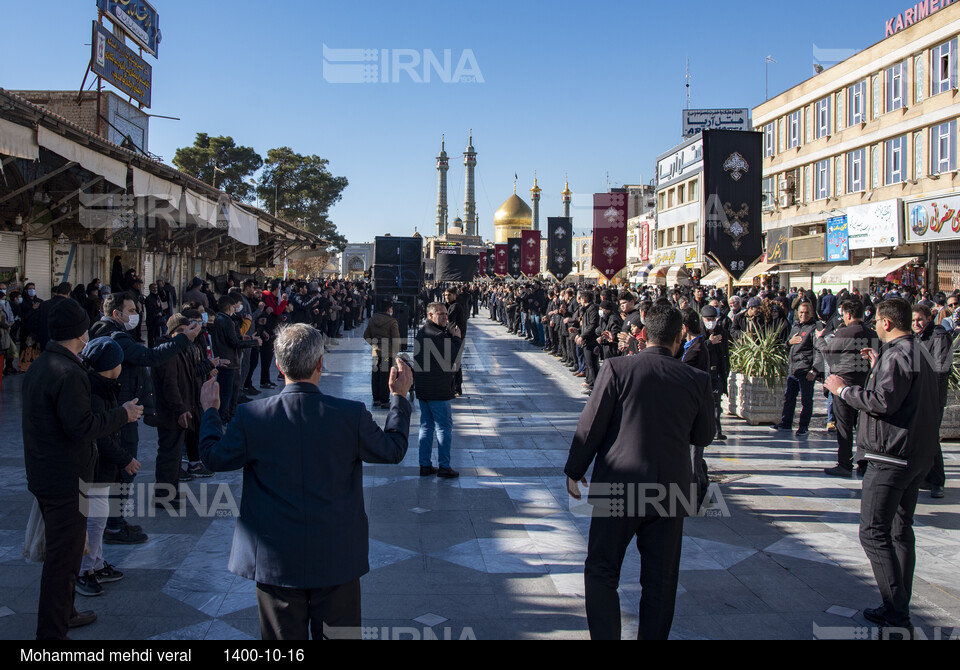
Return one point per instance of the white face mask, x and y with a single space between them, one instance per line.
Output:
710 324
204 317
133 322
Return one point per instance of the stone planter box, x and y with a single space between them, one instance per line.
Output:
754 402
950 428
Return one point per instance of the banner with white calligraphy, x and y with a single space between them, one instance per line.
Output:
560 247
610 233
515 257
503 260
530 255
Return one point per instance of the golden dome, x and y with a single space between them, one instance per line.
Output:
514 212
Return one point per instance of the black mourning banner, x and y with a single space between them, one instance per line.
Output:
515 257
491 262
560 247
452 268
732 191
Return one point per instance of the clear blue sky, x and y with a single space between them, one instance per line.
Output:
576 88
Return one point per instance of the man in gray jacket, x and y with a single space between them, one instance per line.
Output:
898 436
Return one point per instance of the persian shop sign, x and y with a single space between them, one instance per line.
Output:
918 12
138 19
120 66
933 220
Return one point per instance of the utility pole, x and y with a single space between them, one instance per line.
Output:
767 61
688 83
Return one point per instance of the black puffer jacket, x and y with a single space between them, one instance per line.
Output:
938 342
59 427
899 405
436 361
805 357
842 352
111 456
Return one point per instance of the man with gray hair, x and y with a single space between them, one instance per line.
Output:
302 534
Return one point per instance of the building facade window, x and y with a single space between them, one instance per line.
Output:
918 155
807 185
839 114
896 81
682 194
808 122
822 186
943 143
875 86
943 67
856 162
838 177
769 194
875 167
918 79
694 190
793 129
769 144
822 125
781 136
895 160
857 95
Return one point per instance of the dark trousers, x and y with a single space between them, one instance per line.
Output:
226 380
66 532
846 418
169 452
798 386
266 359
193 446
938 474
130 441
298 614
380 379
153 334
590 364
718 405
886 533
252 367
659 541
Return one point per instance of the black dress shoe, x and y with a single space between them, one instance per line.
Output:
428 472
447 473
721 438
81 619
839 471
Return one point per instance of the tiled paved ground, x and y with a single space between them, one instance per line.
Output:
499 551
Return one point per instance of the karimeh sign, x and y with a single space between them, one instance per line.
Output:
918 12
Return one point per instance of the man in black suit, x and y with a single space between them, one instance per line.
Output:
637 428
303 531
458 317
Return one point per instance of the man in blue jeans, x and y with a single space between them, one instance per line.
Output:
437 352
806 364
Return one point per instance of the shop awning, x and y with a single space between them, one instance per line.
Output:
201 208
754 272
147 185
835 275
678 274
650 274
876 268
243 227
112 170
18 141
715 278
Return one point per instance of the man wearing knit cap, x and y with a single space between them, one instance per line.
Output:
59 430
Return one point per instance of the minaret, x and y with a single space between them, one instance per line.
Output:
567 199
443 165
535 197
470 198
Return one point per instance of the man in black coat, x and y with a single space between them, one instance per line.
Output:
155 315
624 432
60 293
696 353
121 319
457 316
718 343
842 353
939 344
437 353
898 436
59 441
587 339
806 365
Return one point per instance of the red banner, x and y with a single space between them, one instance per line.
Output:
610 233
503 267
530 256
483 264
644 241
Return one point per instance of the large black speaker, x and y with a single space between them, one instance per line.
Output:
401 251
386 278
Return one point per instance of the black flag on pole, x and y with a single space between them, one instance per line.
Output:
491 262
560 247
733 193
515 257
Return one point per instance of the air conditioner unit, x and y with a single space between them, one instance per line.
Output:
787 200
787 185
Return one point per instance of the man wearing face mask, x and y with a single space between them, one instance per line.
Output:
718 343
623 433
121 320
29 313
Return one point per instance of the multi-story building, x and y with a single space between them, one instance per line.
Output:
861 177
678 238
